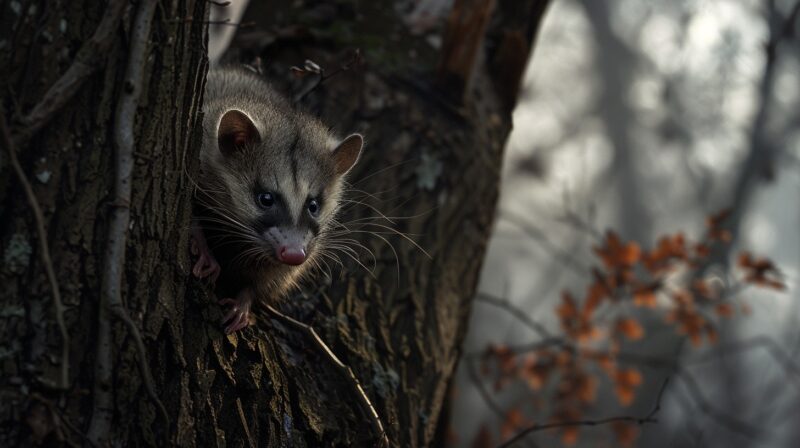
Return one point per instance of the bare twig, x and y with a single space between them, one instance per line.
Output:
649 418
780 356
111 298
719 415
723 418
540 236
514 311
369 409
87 61
245 426
485 395
311 68
44 250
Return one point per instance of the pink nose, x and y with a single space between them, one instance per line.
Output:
292 255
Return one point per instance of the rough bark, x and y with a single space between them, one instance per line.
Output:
69 164
434 162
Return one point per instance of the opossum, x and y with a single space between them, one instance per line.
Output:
270 183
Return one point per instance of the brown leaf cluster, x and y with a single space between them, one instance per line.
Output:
627 276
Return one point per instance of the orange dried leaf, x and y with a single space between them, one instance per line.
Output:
629 377
630 328
626 433
724 310
760 271
704 289
617 254
625 395
702 250
586 388
716 230
645 297
712 335
668 249
606 362
535 373
569 435
568 308
514 420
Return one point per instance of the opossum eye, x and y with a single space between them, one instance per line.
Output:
313 207
266 200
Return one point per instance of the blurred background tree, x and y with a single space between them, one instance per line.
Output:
647 118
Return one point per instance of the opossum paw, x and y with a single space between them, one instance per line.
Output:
238 315
206 266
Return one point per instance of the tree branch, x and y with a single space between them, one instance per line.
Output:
111 297
720 416
649 418
514 311
86 62
760 159
44 251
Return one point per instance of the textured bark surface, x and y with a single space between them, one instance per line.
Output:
69 163
400 327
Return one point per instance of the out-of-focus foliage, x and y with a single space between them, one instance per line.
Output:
668 279
645 117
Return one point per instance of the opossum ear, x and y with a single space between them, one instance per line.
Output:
236 131
347 153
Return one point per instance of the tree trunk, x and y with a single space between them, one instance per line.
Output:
435 121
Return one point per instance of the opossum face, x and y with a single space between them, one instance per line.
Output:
283 180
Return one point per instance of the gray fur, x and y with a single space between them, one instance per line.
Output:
294 157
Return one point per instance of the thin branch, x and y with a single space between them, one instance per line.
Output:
780 356
44 251
87 61
649 418
719 415
538 235
375 420
510 308
696 393
111 298
759 161
725 419
245 426
485 395
313 69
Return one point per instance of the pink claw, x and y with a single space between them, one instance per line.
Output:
238 317
206 265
